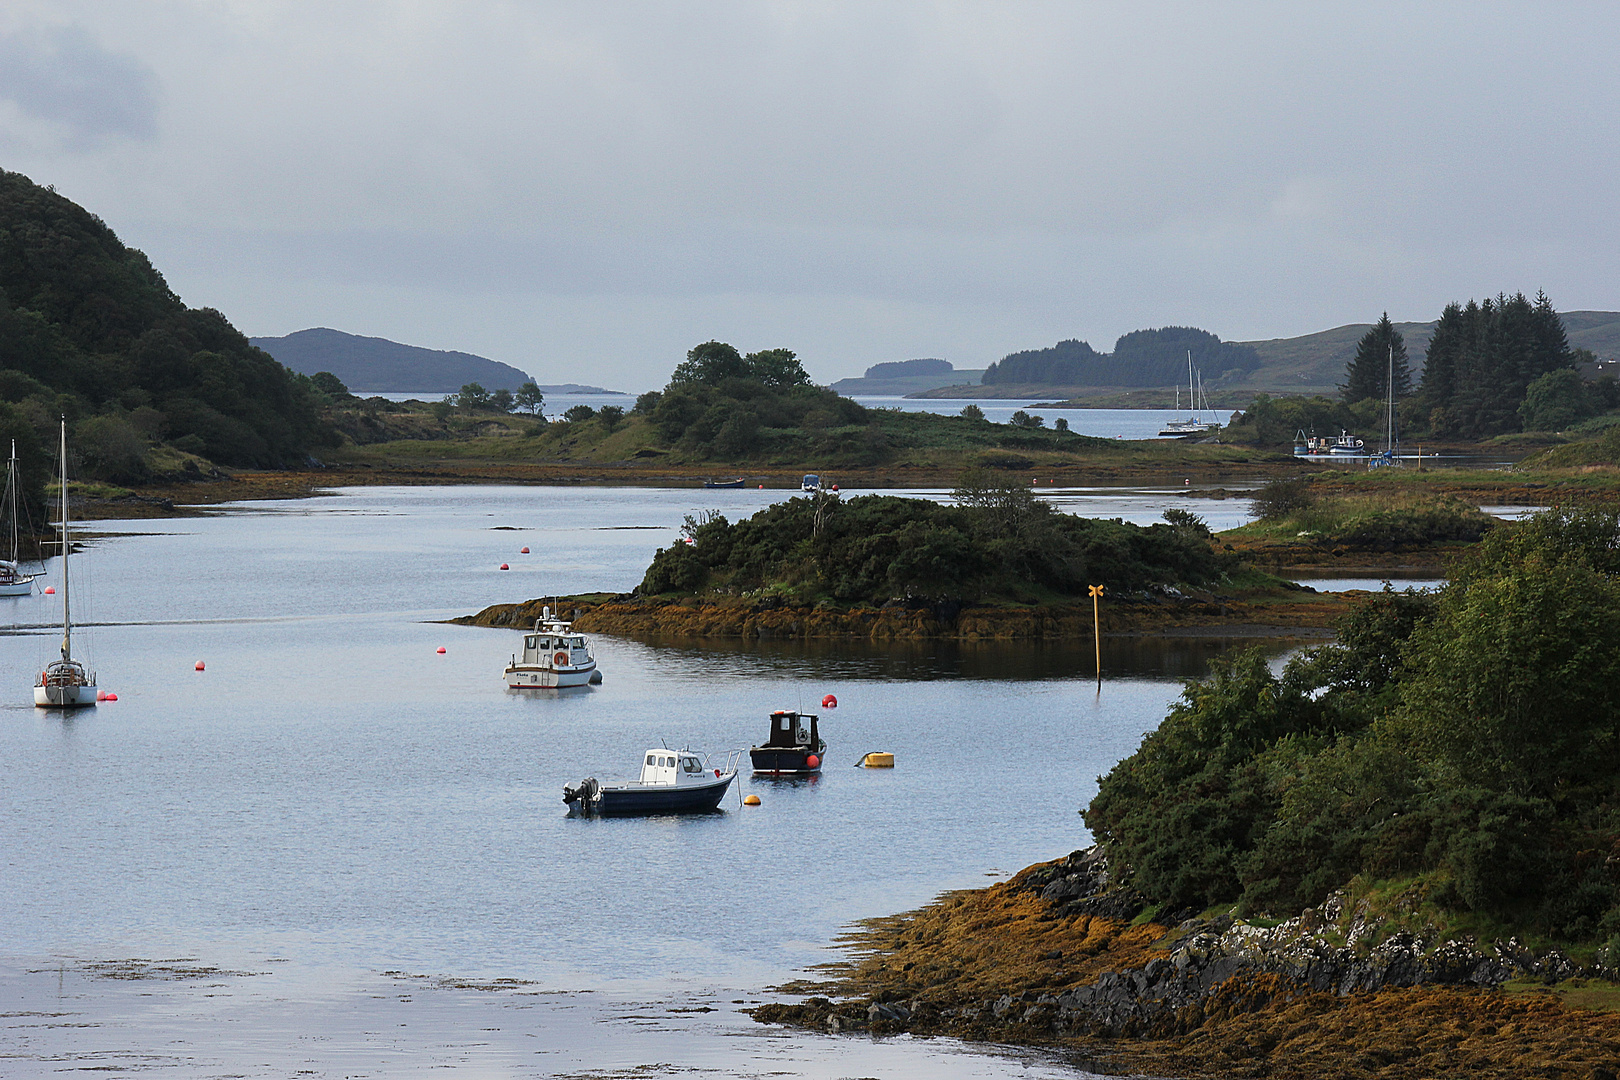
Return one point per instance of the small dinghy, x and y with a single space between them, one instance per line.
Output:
672 782
794 747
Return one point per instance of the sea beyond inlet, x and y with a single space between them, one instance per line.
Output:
343 849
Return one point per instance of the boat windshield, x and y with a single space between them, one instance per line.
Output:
691 765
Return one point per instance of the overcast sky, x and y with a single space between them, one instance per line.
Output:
586 190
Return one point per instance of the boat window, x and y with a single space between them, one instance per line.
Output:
529 642
691 765
578 643
545 643
652 759
786 723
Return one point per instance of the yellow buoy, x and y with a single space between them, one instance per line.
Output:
878 759
752 800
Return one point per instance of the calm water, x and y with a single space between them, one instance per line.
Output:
332 792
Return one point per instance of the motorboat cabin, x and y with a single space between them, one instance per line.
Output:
794 747
553 656
811 482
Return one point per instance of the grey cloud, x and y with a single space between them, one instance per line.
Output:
64 76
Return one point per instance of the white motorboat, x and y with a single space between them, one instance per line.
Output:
811 483
65 683
13 582
1347 445
671 782
553 656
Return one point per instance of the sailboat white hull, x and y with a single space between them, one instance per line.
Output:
17 588
64 697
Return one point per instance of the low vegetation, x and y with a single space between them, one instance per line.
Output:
999 542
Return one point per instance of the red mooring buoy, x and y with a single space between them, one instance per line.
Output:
829 702
112 697
441 650
523 551
50 590
200 665
505 567
813 761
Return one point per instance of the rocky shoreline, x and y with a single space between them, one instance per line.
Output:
1297 613
1057 956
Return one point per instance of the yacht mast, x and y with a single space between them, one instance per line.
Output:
67 631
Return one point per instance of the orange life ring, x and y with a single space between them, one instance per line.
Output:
560 660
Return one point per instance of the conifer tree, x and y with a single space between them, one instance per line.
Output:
1368 374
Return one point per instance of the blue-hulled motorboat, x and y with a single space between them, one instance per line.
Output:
672 782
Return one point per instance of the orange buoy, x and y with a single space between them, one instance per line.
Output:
762 487
112 697
505 567
441 650
50 590
829 702
200 665
813 761
523 551
752 800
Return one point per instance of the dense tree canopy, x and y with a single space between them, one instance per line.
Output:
1483 358
1381 352
1470 740
88 328
1140 358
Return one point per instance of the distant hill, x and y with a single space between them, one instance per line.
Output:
377 365
897 378
1140 358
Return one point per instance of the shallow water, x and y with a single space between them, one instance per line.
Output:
333 793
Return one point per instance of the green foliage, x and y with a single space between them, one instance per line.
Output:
111 449
330 385
1368 373
576 414
88 327
999 542
611 416
1482 360
715 362
1558 400
529 398
1140 358
501 400
1471 737
1270 421
473 397
1023 419
1279 498
972 412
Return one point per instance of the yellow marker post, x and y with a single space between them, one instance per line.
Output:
1096 627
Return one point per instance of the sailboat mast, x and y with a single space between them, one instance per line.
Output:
11 499
1389 417
67 632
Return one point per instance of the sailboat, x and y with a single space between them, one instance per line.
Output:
65 683
13 582
1194 424
1388 457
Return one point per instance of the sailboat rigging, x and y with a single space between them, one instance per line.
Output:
1194 424
13 582
65 683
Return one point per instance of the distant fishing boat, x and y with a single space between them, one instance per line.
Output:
793 748
737 483
811 483
553 657
65 683
13 582
1347 445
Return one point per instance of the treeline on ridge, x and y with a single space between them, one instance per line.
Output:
1140 358
90 330
998 542
1492 367
1458 751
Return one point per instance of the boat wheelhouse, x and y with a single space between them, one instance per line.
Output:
671 782
794 747
811 482
554 656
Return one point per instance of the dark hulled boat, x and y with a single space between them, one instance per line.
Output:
672 782
794 747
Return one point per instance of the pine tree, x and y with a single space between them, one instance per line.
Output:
1368 374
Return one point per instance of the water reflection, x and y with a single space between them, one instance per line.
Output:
924 661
